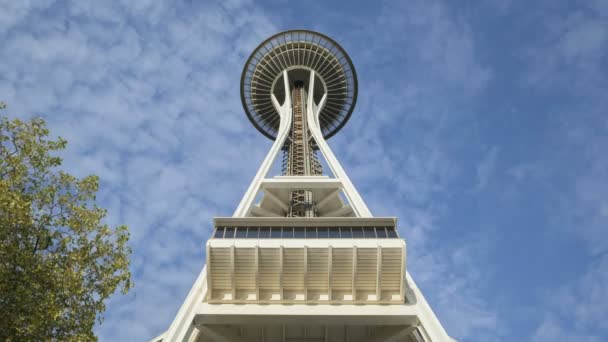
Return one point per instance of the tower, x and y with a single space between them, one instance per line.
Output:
302 258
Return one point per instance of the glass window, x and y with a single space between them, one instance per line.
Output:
252 232
264 232
275 233
346 233
357 232
381 232
287 232
334 233
322 233
219 232
241 232
391 232
311 232
369 232
229 233
299 233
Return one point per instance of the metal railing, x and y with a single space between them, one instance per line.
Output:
254 232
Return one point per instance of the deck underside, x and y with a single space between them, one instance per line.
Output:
307 333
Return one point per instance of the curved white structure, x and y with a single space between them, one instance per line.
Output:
308 262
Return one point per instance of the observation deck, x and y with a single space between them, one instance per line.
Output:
306 260
298 52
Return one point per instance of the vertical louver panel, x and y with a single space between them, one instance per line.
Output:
220 269
317 269
270 264
293 269
365 278
391 268
244 268
341 273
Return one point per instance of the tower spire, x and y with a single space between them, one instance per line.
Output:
310 239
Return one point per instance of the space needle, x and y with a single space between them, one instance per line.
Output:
302 258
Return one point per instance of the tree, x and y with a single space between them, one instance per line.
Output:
59 262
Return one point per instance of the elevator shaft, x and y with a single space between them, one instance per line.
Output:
299 155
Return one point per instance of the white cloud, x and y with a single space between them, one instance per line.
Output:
13 12
401 154
552 330
582 304
146 92
150 104
571 50
569 60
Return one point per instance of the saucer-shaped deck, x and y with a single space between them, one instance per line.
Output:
298 52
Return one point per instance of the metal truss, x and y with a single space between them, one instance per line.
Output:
299 156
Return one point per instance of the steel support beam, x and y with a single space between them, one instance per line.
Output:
220 334
271 196
340 212
259 211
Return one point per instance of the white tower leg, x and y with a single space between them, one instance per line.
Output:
313 111
285 112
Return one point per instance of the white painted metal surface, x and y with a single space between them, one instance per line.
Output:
305 272
313 111
285 112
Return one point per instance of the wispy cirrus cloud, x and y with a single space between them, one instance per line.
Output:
480 127
564 65
582 303
150 104
419 64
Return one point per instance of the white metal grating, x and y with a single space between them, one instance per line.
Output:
297 274
366 269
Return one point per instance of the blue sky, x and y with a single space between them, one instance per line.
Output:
481 125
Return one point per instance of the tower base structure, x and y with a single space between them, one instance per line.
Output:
314 279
